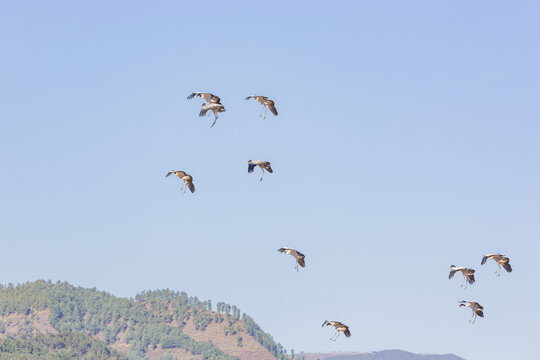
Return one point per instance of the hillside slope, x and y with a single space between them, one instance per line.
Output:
376 355
154 325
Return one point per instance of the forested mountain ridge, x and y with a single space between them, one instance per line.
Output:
160 324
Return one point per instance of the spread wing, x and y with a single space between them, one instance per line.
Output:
180 174
190 185
484 259
479 311
347 333
271 106
300 260
213 99
169 173
452 273
470 276
507 266
268 168
204 110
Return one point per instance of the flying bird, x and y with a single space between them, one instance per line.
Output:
214 107
475 307
296 254
339 328
211 98
265 102
468 274
264 165
185 177
501 260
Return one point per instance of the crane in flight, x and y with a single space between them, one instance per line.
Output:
477 309
211 98
214 104
215 108
265 102
296 254
185 177
264 165
501 260
468 274
340 328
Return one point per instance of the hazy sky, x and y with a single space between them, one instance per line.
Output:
408 139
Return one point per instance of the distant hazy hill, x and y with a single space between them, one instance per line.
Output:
45 320
377 355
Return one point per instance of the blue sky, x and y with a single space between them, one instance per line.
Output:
407 140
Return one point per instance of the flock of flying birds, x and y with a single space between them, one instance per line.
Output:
213 103
468 278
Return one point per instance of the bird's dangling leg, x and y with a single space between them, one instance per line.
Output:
265 110
332 338
474 318
215 119
262 175
261 112
296 267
